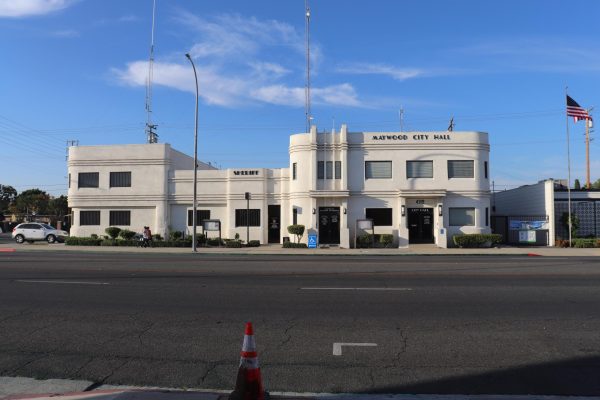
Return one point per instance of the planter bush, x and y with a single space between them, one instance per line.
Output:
297 230
364 241
112 231
126 234
477 239
233 244
386 240
82 241
213 242
175 235
253 243
292 245
585 243
157 237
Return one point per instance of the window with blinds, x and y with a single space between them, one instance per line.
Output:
252 217
378 169
120 218
419 169
89 218
321 170
380 216
88 179
462 216
338 170
460 169
120 179
201 215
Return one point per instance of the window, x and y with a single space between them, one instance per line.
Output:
294 170
485 169
120 179
460 169
462 216
243 215
380 216
329 170
201 215
338 170
487 216
89 218
69 181
321 170
295 216
120 218
419 169
378 169
88 179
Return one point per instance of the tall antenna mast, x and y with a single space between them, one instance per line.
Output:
151 135
307 87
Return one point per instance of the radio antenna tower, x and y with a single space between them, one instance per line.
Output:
151 135
307 87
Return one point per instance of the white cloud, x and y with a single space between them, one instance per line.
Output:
399 74
240 61
67 33
26 8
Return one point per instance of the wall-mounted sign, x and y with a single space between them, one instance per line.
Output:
420 201
528 225
411 137
212 225
253 172
526 236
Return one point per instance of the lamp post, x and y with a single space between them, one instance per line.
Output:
194 216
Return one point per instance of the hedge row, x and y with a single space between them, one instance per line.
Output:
579 243
477 240
381 240
292 245
88 241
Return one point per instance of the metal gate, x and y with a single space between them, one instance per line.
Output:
522 230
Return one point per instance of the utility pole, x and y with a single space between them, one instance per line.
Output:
401 112
587 149
307 87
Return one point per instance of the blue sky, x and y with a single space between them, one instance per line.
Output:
76 70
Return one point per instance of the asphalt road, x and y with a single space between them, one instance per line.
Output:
499 325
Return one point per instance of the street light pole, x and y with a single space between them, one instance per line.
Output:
194 216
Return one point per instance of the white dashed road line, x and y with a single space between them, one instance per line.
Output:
63 282
358 288
337 347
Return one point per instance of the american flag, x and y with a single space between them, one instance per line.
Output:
576 111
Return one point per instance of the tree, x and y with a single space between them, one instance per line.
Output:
32 201
577 185
297 230
574 223
7 196
596 185
58 206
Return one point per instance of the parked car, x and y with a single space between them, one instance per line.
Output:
34 231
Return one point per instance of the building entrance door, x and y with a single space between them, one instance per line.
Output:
329 225
274 220
420 225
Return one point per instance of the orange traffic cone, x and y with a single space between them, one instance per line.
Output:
248 385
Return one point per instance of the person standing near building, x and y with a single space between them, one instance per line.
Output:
147 235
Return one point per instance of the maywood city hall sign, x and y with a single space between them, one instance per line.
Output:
416 136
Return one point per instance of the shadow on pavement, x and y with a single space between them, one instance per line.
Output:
576 376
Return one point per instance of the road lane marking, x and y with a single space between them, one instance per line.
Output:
62 282
337 347
401 289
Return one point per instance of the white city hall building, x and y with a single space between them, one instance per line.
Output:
421 187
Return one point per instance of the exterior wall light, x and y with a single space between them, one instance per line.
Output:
345 211
403 210
440 210
314 210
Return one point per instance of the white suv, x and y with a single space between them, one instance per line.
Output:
30 232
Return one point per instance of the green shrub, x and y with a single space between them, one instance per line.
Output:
292 245
175 235
157 237
94 236
237 236
126 234
233 244
585 243
386 240
253 243
213 242
82 241
109 242
364 241
112 231
297 230
477 239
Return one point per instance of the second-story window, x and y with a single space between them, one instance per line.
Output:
88 179
378 169
419 169
294 171
120 179
485 169
460 169
321 170
338 170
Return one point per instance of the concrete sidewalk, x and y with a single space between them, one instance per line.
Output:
277 249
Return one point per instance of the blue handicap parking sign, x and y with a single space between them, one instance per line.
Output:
312 241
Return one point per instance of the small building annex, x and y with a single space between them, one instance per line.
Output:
421 187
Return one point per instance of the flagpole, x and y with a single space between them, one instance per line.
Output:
568 168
